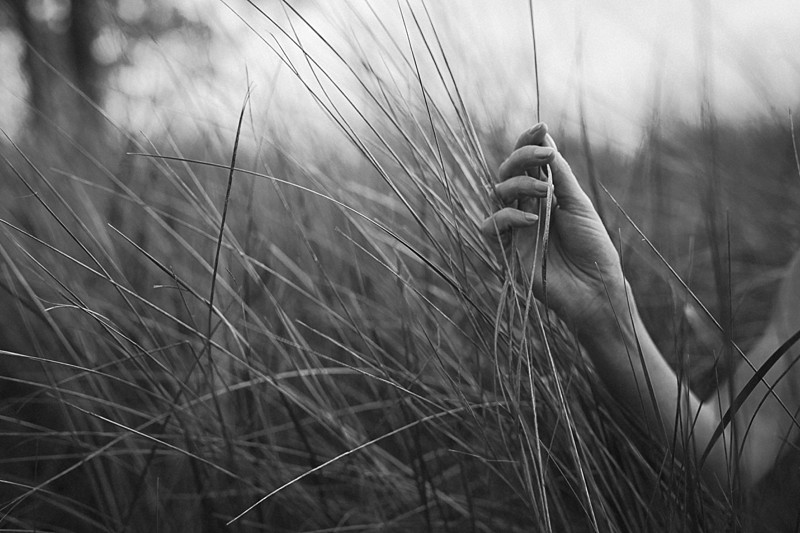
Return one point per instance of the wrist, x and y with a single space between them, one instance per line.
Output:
610 317
620 347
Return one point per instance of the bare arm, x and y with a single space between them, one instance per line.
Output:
773 413
587 289
634 371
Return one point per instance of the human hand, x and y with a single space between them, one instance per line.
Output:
583 267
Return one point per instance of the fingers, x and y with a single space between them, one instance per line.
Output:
506 219
535 148
535 135
530 152
520 188
524 159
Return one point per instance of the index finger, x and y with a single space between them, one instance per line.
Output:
533 136
524 159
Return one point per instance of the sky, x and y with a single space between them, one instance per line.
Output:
617 61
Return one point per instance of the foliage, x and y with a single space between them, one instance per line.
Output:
357 359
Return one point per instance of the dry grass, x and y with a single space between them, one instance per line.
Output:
328 344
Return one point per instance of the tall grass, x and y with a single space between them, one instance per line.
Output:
229 336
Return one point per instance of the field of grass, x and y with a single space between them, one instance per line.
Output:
239 330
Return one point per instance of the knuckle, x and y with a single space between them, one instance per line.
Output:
504 214
504 190
488 226
503 170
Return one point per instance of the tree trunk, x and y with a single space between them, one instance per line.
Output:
62 73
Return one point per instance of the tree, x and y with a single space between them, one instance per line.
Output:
64 66
61 72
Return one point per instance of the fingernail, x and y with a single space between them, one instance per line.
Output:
530 217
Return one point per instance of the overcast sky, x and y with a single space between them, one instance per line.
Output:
623 56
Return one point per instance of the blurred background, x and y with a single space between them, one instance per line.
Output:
351 295
148 63
649 98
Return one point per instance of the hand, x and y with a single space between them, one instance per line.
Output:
583 267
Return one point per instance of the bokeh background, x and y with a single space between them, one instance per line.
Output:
352 296
193 60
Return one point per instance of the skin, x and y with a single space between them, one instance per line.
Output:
581 255
587 289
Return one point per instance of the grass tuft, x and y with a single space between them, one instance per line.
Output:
337 348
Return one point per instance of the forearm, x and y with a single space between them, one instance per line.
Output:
588 291
637 375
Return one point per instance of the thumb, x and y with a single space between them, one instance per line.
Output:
567 189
